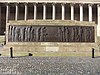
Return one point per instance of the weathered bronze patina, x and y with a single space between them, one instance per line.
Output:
51 34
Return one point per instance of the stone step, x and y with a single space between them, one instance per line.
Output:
20 52
45 49
49 53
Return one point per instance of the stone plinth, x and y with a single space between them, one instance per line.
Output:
46 47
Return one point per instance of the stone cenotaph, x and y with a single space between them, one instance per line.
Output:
48 36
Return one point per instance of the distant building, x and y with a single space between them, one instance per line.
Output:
80 10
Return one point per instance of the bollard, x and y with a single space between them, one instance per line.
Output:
92 52
11 52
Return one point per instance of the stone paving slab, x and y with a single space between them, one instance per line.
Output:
49 66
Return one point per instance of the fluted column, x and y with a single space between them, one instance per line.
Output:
53 12
98 26
72 11
90 12
81 12
63 11
35 10
25 16
16 12
7 13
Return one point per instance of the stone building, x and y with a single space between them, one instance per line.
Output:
80 10
39 26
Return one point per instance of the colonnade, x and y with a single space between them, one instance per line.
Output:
54 12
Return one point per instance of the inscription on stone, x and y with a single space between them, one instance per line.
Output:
51 34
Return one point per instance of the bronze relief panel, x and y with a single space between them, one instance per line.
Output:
51 34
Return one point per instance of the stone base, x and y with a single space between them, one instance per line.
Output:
48 48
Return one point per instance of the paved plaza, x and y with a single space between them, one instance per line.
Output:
49 66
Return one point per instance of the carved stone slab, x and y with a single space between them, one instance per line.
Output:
51 33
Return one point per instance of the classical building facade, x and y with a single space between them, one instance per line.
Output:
43 26
49 10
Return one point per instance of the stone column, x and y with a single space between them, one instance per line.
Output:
44 11
90 12
98 26
81 12
63 11
7 13
0 19
35 10
16 13
25 17
53 11
72 11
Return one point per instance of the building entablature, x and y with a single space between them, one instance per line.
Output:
51 1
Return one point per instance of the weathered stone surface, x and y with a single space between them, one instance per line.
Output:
42 47
52 22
